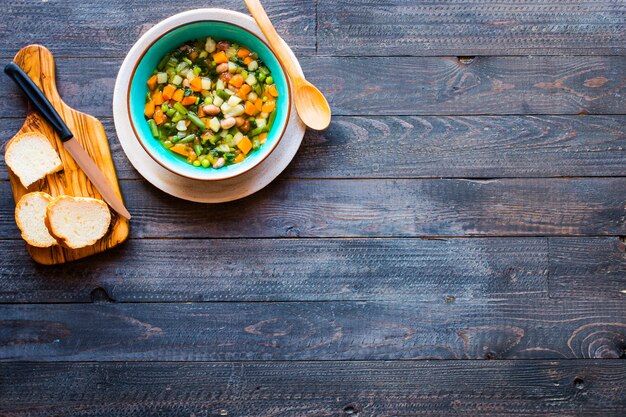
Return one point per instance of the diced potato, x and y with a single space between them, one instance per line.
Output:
214 124
206 83
177 80
251 80
233 101
225 108
181 126
162 77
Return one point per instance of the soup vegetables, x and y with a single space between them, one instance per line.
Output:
212 102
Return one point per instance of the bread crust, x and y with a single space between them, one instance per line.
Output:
63 241
18 206
17 139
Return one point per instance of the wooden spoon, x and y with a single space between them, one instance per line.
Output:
311 104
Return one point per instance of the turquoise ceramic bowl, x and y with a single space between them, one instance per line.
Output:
171 40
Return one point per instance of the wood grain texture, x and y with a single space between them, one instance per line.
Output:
462 329
109 28
487 85
419 86
584 270
404 388
291 269
461 27
324 269
459 146
38 63
446 146
383 208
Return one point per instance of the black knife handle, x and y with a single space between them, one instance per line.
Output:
41 103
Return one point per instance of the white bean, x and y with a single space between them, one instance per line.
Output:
209 46
222 67
219 163
211 109
228 123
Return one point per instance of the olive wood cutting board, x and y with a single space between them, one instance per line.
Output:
38 63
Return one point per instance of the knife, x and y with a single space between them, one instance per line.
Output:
71 144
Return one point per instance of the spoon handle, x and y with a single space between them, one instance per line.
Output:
279 48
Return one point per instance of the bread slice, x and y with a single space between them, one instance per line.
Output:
30 214
31 157
77 222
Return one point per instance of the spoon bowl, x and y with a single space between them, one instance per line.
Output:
312 106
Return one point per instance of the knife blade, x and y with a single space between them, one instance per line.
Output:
71 144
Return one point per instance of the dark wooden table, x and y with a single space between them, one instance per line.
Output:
452 245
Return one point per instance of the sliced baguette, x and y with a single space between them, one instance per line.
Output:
31 157
77 222
30 214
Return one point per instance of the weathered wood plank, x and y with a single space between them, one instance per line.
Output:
286 269
324 269
419 86
583 270
447 146
489 85
381 208
452 146
539 328
461 27
406 388
110 28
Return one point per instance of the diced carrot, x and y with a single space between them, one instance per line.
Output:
180 149
247 60
268 106
243 52
250 109
236 80
168 91
200 111
262 138
188 100
272 90
243 91
148 110
258 103
193 55
152 82
159 117
157 97
178 95
239 158
220 57
245 145
196 84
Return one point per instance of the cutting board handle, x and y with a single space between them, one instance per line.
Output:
37 61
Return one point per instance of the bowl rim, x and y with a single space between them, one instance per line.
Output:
143 52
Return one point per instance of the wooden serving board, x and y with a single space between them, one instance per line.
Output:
38 63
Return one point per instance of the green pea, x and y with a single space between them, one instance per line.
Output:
206 163
269 80
196 163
